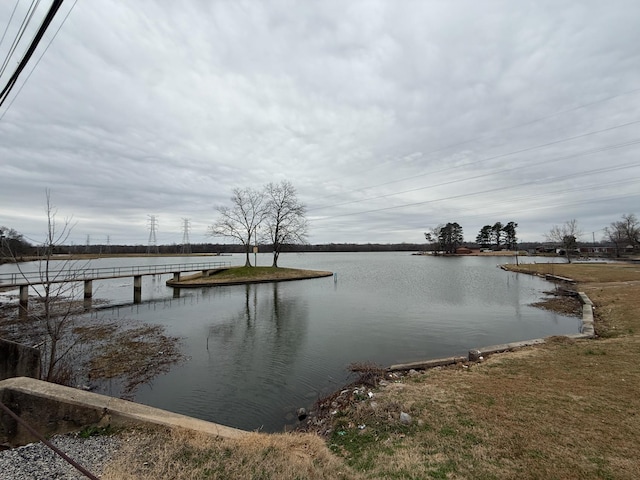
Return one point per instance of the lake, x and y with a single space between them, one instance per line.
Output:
256 353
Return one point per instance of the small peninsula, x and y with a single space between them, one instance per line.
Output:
242 275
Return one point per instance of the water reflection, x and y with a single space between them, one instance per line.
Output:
244 364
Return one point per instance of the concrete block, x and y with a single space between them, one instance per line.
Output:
584 299
474 355
50 409
426 364
18 360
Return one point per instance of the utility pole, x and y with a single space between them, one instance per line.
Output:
152 247
255 250
186 244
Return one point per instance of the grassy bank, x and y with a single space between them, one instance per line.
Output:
566 410
240 275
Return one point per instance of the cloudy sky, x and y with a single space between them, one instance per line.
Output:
389 117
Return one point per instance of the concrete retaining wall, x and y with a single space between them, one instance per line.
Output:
586 331
52 409
18 360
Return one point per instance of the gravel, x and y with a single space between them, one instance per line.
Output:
37 461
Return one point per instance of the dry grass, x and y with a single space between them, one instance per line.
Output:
97 350
176 454
585 272
568 410
134 355
564 410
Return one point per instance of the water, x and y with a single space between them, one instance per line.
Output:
258 352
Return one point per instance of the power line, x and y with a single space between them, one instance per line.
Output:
483 175
564 190
6 29
558 205
476 162
38 61
630 92
19 34
492 190
32 47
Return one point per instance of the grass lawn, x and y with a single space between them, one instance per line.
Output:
238 275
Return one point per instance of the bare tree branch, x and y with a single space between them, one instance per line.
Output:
285 221
566 236
242 220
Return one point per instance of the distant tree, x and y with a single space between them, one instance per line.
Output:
566 236
631 229
242 220
433 236
496 235
12 243
615 234
623 233
285 221
510 238
428 236
484 236
451 237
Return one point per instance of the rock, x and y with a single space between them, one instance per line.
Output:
413 372
405 418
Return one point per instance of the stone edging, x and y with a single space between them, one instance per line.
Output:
477 355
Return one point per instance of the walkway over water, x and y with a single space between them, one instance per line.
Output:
87 275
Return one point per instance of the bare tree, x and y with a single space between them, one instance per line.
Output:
623 233
566 235
432 237
631 228
242 220
56 322
54 318
615 234
285 221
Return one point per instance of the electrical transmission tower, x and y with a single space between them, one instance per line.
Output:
153 227
186 244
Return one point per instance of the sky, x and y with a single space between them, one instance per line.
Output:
389 117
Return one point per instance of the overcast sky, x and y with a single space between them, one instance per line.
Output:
389 117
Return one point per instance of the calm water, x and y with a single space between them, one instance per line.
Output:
258 352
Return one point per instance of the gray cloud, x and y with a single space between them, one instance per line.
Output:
388 117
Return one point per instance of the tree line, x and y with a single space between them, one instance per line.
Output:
447 238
